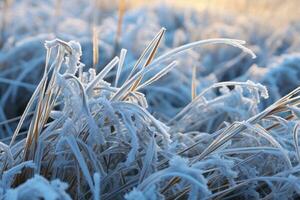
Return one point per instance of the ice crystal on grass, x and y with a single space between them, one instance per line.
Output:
39 188
173 122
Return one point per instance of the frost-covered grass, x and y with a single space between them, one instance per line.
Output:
120 108
101 140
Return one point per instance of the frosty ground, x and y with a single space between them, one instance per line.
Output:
105 104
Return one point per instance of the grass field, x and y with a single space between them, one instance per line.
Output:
141 100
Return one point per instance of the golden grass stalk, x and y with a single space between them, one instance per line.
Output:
132 79
57 14
145 52
58 4
31 101
121 12
45 94
282 105
160 74
95 47
150 58
4 14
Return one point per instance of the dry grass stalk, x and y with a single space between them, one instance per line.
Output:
5 10
150 58
95 47
121 12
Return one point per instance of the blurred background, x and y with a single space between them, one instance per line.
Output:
271 29
273 11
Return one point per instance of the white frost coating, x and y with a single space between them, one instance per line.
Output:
37 188
262 89
102 74
135 194
133 141
97 187
74 57
8 175
232 42
120 65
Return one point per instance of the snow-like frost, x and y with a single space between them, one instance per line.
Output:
193 123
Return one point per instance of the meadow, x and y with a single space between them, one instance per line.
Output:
139 100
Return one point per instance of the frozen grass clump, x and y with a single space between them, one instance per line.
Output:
39 188
209 111
84 137
74 20
280 75
184 120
